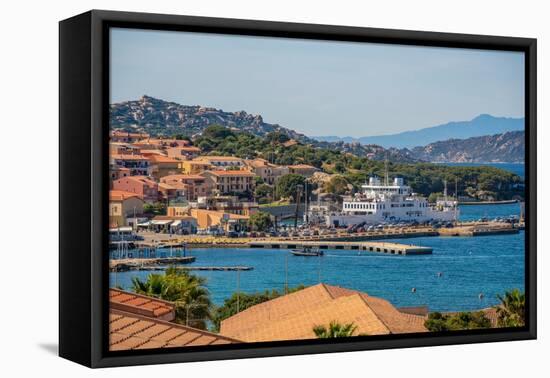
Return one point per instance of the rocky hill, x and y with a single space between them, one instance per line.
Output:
159 117
506 147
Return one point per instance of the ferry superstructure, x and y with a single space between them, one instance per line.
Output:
391 202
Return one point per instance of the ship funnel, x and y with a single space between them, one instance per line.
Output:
374 181
398 181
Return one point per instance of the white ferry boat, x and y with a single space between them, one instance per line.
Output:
395 202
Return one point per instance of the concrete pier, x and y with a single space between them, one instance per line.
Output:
119 265
381 247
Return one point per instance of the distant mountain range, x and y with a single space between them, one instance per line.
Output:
483 124
483 139
507 147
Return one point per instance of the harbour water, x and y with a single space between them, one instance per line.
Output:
469 266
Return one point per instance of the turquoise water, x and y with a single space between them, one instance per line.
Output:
474 212
517 168
469 266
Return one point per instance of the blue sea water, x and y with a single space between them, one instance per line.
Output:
469 265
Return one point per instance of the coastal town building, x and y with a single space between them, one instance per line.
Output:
227 204
181 225
118 172
163 166
222 162
293 316
136 164
119 148
183 153
192 185
126 137
143 186
169 193
263 169
231 181
123 205
194 167
207 219
177 211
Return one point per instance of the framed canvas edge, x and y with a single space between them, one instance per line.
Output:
100 20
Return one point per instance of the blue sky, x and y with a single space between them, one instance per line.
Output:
318 87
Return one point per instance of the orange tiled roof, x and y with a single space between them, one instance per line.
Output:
293 316
162 159
141 304
130 331
143 179
186 148
151 152
218 158
181 177
120 195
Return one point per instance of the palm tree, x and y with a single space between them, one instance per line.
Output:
511 310
187 291
335 329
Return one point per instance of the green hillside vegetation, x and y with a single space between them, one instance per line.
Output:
424 178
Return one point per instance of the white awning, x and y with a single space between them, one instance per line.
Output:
161 222
144 224
176 223
121 229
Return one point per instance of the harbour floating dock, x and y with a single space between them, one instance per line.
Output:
381 247
189 268
119 265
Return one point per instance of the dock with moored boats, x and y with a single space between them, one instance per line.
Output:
380 247
119 265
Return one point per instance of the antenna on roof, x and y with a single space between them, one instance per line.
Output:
386 174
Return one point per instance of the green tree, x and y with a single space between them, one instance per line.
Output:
432 198
336 185
260 221
288 184
263 191
277 137
187 291
438 322
334 330
152 209
511 310
217 132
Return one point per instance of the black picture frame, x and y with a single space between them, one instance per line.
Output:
83 181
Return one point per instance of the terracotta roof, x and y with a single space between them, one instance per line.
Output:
231 173
143 179
151 152
130 331
293 316
218 158
186 148
120 195
162 159
181 177
141 304
165 186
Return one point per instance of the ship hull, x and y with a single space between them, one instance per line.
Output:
345 220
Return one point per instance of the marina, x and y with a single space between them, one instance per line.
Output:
382 247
